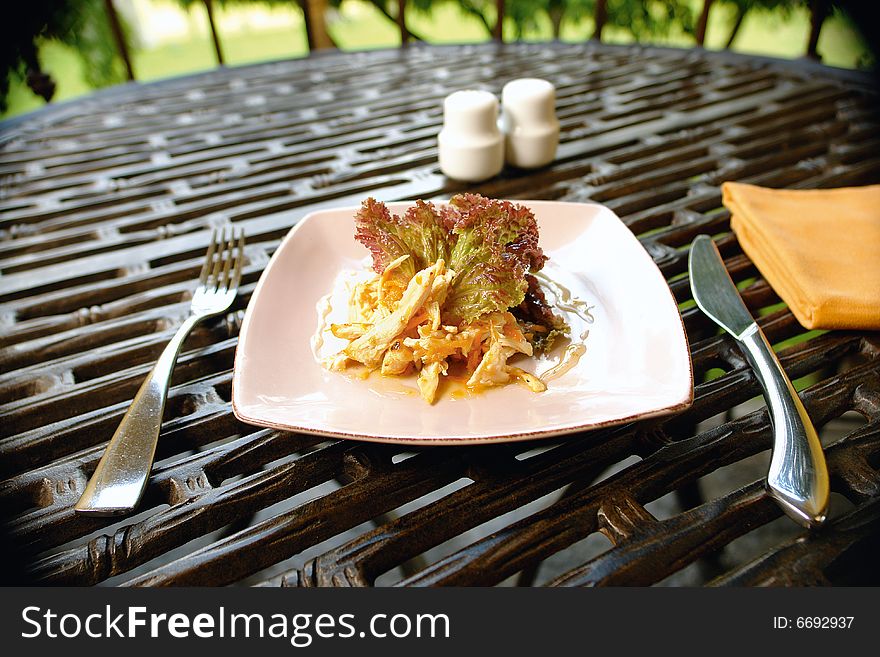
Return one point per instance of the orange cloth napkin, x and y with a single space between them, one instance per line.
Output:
818 248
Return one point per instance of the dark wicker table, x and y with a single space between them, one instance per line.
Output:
107 204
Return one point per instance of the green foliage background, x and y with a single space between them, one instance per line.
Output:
76 46
80 24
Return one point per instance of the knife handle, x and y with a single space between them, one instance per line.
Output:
798 475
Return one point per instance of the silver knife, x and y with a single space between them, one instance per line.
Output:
798 475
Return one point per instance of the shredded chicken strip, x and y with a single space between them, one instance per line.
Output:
397 359
429 379
369 348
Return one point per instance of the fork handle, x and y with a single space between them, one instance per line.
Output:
119 481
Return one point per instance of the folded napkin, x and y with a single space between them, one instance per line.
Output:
818 248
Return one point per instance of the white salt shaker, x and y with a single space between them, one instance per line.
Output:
528 120
470 145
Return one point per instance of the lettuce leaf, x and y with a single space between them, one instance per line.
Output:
495 246
491 245
418 234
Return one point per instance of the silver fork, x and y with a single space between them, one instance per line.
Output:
119 481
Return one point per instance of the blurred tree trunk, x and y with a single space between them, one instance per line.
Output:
498 32
601 18
119 36
209 7
556 11
818 14
737 23
310 37
318 19
703 22
401 23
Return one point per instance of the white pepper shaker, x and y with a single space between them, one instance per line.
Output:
470 145
528 120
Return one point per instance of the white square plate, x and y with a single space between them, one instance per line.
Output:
636 365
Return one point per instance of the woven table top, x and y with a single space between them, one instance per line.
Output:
106 208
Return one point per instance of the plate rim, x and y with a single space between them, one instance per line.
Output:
451 440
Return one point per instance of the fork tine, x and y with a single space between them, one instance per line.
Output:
209 258
236 274
223 282
230 249
215 275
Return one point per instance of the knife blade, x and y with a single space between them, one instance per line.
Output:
798 475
